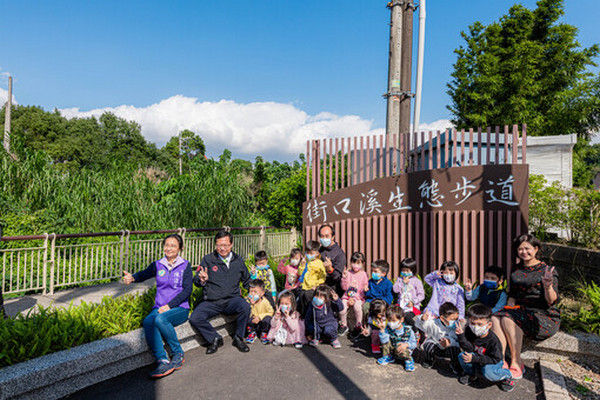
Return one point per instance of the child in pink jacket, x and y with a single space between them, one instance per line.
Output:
289 268
286 325
354 283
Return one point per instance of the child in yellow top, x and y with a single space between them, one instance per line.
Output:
261 312
311 274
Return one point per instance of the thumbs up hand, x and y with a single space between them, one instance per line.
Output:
127 278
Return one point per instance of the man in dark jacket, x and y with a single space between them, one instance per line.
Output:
220 274
334 258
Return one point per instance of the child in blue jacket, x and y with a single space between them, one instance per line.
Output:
491 292
320 321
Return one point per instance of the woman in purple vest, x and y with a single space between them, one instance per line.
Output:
171 307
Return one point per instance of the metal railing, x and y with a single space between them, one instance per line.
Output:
54 264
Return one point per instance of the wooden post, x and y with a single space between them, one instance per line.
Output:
263 238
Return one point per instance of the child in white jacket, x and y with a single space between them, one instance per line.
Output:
441 339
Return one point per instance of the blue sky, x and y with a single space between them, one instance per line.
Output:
286 69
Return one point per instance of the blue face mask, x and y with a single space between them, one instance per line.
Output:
325 242
490 284
317 301
406 274
262 267
452 324
375 276
284 308
310 257
253 297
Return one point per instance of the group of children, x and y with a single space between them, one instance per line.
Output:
390 314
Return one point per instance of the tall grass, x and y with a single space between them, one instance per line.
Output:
37 197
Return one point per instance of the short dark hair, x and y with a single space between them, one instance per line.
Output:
223 233
479 311
260 256
257 283
327 226
494 269
175 236
376 307
394 311
295 251
382 265
288 295
408 263
313 245
323 291
529 238
447 309
451 265
357 256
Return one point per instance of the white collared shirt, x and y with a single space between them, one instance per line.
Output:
227 259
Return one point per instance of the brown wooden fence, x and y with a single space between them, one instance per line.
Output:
451 195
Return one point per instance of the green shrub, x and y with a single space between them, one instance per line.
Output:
587 318
48 330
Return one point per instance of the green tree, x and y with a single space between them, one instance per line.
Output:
526 68
192 146
284 207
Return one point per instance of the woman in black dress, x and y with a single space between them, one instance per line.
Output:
531 307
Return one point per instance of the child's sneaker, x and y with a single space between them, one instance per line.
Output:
164 368
385 360
314 342
427 364
298 345
177 361
342 330
251 337
336 344
409 365
465 379
263 338
375 349
507 385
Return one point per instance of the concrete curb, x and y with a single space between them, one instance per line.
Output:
553 381
65 372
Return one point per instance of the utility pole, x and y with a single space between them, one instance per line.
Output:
180 163
406 66
7 117
394 70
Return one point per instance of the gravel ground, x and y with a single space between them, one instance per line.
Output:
582 377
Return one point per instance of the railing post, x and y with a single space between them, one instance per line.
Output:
121 251
52 261
263 238
126 247
45 266
293 238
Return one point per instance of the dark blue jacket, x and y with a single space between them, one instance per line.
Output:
223 282
381 290
324 316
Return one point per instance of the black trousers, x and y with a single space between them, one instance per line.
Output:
261 327
207 309
432 350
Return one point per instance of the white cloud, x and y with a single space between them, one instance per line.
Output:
4 97
271 129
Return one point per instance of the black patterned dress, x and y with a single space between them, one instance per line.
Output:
534 316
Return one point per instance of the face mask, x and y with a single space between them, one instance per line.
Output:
310 257
254 297
406 274
262 267
294 262
451 324
284 308
325 242
490 284
449 278
317 301
375 276
394 325
356 267
479 330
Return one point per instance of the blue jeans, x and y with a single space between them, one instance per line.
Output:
491 372
162 326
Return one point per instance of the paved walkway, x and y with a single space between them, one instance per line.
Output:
269 372
89 294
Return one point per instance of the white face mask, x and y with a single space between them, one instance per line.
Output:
294 262
449 278
394 324
479 330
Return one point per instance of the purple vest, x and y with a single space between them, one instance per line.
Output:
169 283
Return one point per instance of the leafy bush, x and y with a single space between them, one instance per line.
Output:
53 329
587 318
